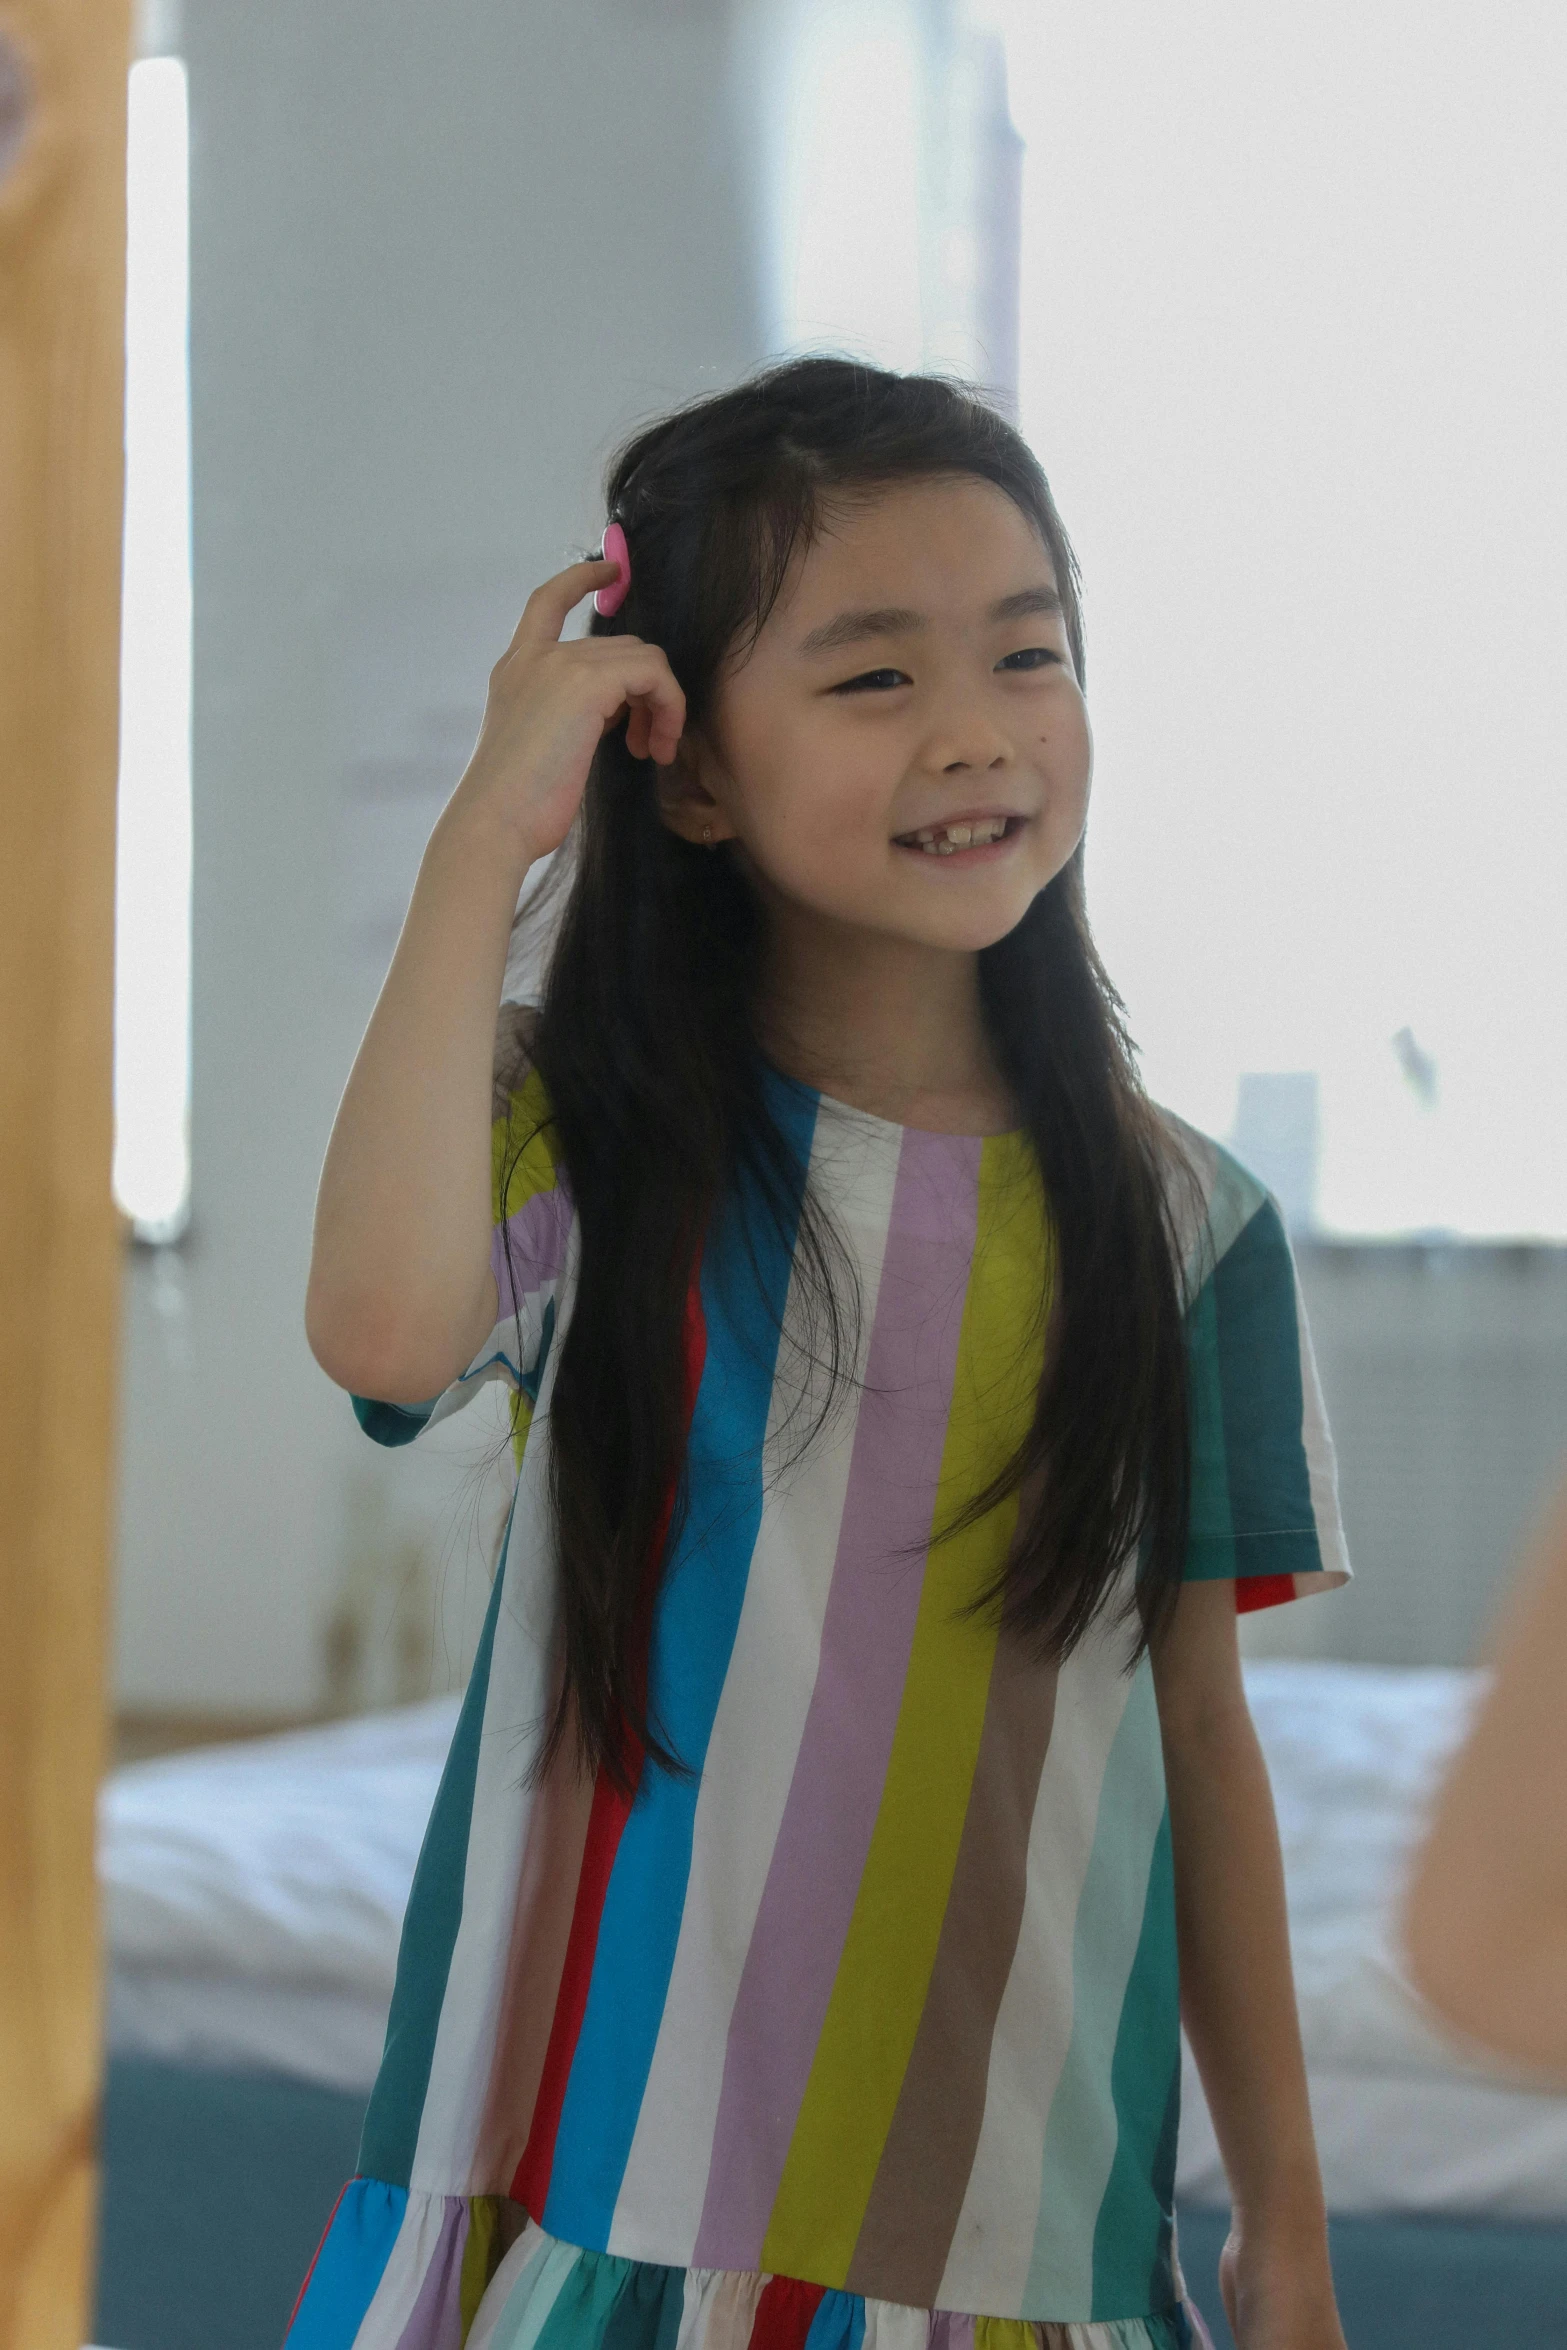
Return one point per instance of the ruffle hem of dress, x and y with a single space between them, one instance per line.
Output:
474 2272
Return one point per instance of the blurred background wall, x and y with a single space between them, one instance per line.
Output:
441 261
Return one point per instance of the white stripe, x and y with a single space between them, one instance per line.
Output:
1083 2126
693 2312
1196 1156
993 2243
1211 1220
516 1701
493 1361
718 2309
532 2245
894 2325
522 2292
392 2305
1321 1469
756 1737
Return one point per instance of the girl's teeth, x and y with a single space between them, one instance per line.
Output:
945 840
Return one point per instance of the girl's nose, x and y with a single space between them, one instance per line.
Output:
964 733
976 745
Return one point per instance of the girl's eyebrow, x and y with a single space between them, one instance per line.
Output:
854 627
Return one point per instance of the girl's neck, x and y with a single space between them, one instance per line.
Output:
885 1024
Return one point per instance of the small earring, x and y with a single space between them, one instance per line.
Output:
707 836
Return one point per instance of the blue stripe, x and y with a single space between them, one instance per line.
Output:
745 1280
533 1378
839 2323
400 1423
424 1956
349 2266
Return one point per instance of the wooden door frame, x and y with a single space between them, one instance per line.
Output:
62 309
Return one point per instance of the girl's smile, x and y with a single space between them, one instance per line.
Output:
977 836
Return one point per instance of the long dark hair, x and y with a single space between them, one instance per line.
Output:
648 1047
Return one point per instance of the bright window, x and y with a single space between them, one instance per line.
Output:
152 909
1292 348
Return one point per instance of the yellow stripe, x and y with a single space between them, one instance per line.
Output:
521 1423
522 1155
480 2257
879 1991
522 1146
1006 2333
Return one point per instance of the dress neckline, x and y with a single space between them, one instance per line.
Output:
852 1112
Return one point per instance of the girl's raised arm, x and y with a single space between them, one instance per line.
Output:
401 1293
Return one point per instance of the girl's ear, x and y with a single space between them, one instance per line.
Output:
691 794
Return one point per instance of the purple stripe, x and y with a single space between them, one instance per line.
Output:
435 2322
536 1236
872 1606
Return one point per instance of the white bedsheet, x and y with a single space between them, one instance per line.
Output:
1406 2119
284 1860
254 1896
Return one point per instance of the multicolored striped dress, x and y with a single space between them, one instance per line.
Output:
865 2032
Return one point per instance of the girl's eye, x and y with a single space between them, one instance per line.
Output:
874 681
1031 657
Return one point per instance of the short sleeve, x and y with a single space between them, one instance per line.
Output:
1264 1505
531 1208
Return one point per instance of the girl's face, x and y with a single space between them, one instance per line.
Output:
906 749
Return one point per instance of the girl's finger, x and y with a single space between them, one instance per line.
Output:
654 722
643 680
550 606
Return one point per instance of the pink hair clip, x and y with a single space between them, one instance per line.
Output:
609 599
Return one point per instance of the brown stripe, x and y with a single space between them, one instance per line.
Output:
541 1926
914 2205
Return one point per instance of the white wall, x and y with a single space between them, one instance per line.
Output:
441 259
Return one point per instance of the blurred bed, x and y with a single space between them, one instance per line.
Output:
254 1895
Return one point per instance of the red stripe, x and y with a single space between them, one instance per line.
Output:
1254 1591
784 2313
314 2257
611 1809
530 2185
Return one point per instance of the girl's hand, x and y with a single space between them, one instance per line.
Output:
1279 2296
550 704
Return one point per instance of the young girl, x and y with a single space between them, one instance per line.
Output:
857 1732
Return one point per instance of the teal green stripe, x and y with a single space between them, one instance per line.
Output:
1211 1550
392 1423
424 1958
1133 2234
1080 2134
647 2314
1257 1317
584 2309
